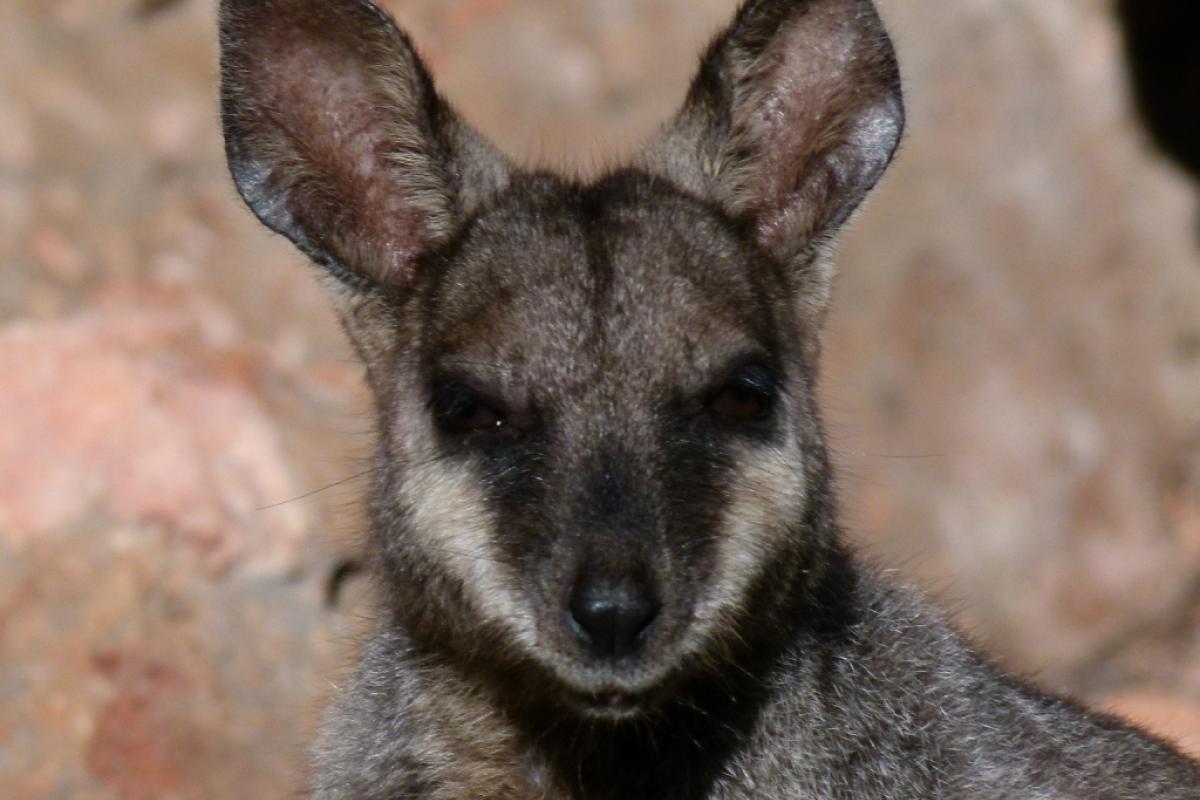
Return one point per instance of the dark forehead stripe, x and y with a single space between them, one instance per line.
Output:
626 267
523 247
666 253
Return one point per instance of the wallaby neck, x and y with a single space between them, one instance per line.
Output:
679 750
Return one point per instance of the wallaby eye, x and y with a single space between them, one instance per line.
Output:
748 395
460 409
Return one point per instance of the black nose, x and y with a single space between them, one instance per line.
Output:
610 613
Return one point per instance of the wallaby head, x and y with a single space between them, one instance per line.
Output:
601 470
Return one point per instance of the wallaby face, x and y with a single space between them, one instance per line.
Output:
595 400
607 550
614 555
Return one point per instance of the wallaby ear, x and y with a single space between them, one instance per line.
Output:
792 119
337 139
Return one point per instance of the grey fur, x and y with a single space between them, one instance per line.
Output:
604 532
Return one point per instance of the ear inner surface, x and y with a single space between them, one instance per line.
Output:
337 139
793 118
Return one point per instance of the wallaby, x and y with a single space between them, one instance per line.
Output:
604 532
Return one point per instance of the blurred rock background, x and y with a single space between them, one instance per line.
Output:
1012 371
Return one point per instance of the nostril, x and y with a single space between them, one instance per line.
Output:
610 615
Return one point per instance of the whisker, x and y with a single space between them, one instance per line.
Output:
317 491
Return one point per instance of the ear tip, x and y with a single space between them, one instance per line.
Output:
233 13
234 16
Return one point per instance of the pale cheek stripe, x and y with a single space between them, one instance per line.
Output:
765 499
451 520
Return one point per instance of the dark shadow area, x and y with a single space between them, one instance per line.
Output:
341 573
1164 58
147 9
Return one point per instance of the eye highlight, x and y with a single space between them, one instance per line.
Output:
459 409
749 394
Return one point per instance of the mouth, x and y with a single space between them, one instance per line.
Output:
613 705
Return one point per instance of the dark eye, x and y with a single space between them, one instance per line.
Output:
747 395
460 409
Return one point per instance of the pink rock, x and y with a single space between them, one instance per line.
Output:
118 409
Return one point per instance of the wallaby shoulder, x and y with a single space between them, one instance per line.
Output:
904 707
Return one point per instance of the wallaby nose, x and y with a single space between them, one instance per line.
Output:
610 613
